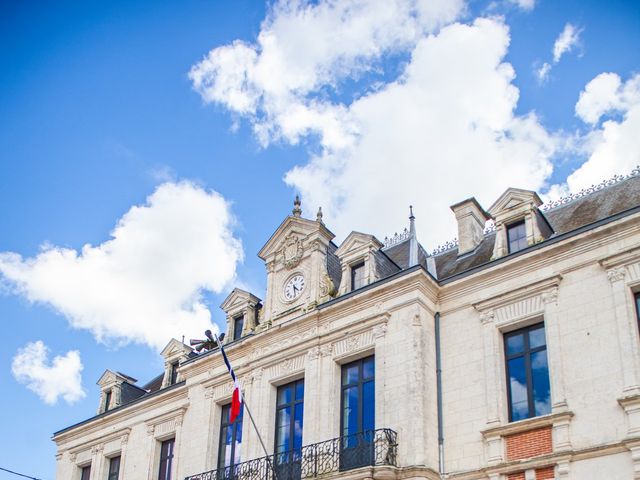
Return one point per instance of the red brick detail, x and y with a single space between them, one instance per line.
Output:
546 473
516 476
529 444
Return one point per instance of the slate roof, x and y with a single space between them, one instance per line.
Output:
565 218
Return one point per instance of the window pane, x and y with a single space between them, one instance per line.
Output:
297 426
368 406
540 378
350 374
350 410
86 473
114 468
284 394
357 276
518 389
515 343
536 338
300 390
284 417
368 368
517 237
238 324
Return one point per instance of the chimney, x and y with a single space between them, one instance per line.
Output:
471 219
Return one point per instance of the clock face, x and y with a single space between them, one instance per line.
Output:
294 287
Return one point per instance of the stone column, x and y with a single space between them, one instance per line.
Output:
492 359
97 462
123 454
379 335
313 398
554 350
151 452
625 326
254 392
417 389
330 385
177 454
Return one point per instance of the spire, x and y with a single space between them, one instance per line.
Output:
319 215
413 240
297 211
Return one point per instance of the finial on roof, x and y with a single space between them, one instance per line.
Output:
413 241
297 211
319 215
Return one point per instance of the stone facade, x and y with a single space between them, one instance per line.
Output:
580 284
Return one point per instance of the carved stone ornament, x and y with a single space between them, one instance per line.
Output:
380 330
292 251
616 274
313 353
550 296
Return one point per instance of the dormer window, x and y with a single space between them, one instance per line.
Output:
357 276
238 325
517 236
173 379
107 400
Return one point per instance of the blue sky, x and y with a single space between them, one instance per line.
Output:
102 124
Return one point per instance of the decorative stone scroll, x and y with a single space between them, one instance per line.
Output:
353 344
286 367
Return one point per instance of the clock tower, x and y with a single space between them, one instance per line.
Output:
299 258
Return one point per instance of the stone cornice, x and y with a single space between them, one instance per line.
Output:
527 425
91 443
524 291
630 255
100 422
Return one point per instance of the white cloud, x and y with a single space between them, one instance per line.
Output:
566 41
145 284
424 138
304 47
60 378
543 72
527 5
612 147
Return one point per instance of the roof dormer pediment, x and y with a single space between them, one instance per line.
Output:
110 377
175 349
293 225
238 298
358 242
514 198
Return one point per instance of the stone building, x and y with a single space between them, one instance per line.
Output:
511 354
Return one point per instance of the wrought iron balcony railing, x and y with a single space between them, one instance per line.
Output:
368 448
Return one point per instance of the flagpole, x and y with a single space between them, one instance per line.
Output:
255 427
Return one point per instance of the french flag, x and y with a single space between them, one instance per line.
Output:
236 398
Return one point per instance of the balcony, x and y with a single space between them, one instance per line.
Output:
365 449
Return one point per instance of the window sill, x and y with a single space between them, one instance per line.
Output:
527 424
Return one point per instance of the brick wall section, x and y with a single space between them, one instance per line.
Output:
516 476
529 444
546 473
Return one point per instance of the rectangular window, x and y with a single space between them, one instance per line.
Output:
357 276
166 459
517 236
86 473
527 373
238 325
289 418
637 296
174 373
230 441
107 400
114 468
357 419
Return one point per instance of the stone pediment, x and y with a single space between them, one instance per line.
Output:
237 298
514 198
110 377
292 226
357 241
175 348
